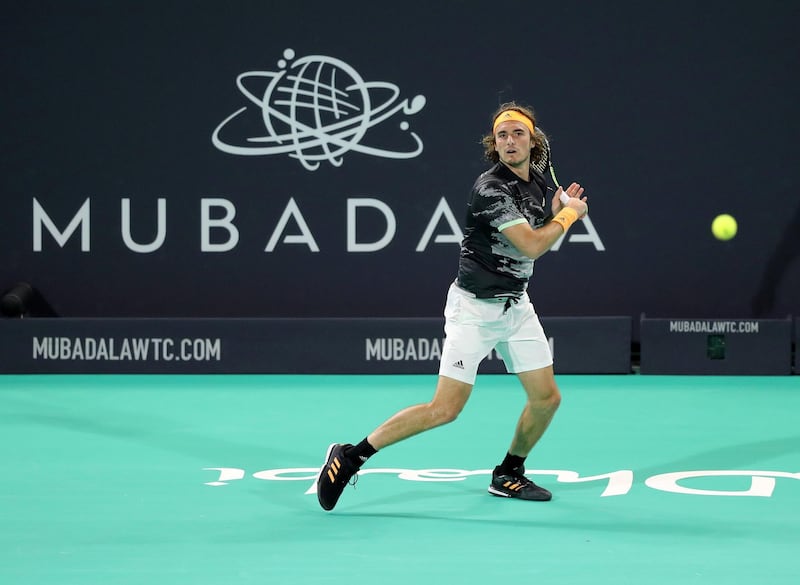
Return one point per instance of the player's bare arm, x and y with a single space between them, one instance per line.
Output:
535 242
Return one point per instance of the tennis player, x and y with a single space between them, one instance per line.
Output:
510 222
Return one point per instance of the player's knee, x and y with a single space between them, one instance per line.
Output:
555 398
551 399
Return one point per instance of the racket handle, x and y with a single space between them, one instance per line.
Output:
564 198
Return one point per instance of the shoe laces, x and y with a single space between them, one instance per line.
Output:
520 477
353 480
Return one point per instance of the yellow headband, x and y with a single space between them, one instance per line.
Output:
512 115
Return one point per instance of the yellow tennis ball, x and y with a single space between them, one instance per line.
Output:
724 227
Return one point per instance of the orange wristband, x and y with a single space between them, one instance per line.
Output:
565 218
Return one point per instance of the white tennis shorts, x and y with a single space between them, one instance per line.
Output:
473 327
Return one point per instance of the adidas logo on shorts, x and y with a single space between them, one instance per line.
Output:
459 364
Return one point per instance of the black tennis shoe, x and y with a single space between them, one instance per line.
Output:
334 475
516 485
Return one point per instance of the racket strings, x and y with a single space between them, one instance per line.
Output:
544 163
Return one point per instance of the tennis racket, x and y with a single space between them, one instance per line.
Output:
545 163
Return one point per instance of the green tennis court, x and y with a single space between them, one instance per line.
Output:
204 480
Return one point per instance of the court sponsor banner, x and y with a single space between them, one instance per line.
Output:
282 346
716 346
308 160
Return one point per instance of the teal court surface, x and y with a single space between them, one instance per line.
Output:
206 480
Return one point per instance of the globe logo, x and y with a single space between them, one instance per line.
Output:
315 109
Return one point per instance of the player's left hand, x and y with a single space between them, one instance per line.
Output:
574 191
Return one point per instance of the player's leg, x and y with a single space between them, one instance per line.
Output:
527 354
543 398
342 461
449 399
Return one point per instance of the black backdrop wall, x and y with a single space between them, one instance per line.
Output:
313 159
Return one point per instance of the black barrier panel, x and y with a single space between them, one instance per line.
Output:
599 345
280 346
716 346
795 345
